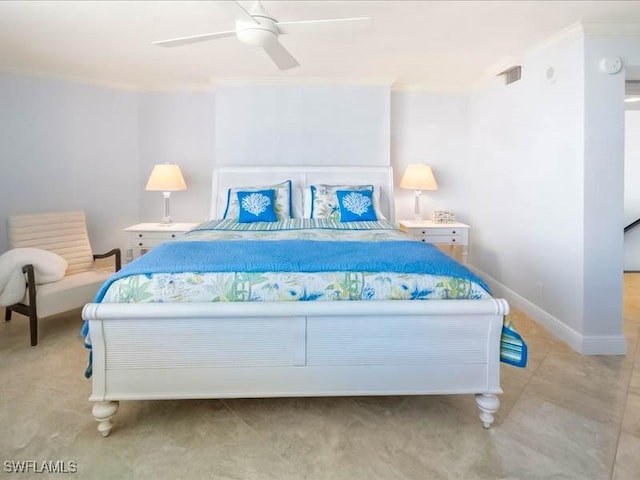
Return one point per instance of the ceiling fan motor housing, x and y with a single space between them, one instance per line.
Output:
258 34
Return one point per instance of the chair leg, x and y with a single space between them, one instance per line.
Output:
33 326
28 311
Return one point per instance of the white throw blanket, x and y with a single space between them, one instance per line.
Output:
48 267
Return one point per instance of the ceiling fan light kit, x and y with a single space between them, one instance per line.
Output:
256 35
258 28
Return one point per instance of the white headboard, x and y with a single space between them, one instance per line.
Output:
227 177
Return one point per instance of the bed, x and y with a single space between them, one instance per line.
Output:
187 343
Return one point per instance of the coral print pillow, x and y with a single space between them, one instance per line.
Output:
356 205
257 206
282 204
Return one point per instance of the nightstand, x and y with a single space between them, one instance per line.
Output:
440 234
144 236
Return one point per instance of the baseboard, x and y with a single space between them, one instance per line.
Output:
604 345
585 345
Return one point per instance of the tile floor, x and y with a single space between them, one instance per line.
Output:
563 417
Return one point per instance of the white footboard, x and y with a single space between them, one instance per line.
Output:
218 350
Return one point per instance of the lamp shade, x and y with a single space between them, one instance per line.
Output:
418 177
166 177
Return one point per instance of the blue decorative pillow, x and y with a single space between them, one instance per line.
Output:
257 206
283 204
356 205
324 201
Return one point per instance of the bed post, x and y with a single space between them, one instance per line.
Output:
488 405
103 411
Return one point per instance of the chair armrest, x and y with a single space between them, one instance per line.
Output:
116 252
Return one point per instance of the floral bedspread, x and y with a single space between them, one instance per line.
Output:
291 286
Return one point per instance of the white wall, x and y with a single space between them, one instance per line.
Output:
91 148
547 176
177 128
432 129
308 124
525 177
632 188
67 146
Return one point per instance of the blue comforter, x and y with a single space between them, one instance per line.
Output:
294 256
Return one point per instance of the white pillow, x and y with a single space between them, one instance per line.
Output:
297 202
307 200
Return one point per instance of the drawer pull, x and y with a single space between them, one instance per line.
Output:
140 235
453 240
454 232
173 235
140 244
424 232
423 240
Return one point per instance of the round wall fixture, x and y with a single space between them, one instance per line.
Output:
550 75
610 65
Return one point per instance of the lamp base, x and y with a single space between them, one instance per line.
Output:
166 220
416 206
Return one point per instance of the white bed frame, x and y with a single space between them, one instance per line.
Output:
283 349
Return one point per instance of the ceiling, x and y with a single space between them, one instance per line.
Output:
432 45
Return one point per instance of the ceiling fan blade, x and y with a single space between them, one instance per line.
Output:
330 25
174 42
280 56
246 15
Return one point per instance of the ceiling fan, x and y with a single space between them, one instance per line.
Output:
257 27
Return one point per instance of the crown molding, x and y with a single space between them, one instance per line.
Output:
428 89
566 35
300 81
580 30
195 88
612 29
393 84
69 78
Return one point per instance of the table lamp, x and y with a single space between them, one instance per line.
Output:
418 178
166 178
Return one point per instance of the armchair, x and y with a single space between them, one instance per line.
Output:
65 234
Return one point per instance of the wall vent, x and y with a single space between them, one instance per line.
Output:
511 74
